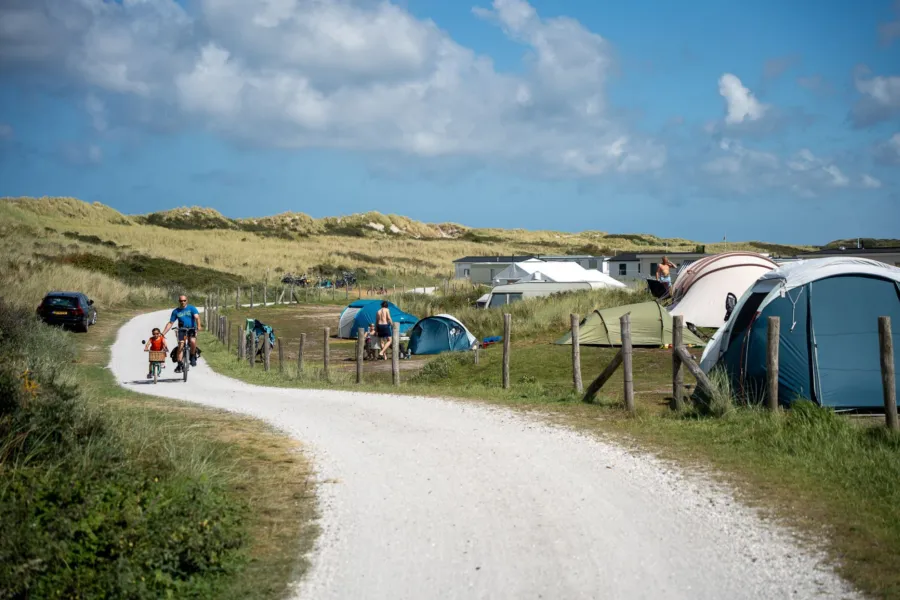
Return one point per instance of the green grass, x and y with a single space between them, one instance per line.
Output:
136 269
834 478
107 493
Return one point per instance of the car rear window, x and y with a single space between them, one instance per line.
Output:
61 302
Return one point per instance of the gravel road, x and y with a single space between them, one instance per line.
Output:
427 498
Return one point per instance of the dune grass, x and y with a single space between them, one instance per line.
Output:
27 281
334 244
534 316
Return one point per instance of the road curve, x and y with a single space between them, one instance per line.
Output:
427 498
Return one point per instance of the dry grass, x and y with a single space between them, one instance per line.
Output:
27 281
385 257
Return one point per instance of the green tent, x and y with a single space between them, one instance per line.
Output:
651 325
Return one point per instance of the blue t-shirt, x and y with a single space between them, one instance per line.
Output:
185 316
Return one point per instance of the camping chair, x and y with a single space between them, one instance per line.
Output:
659 292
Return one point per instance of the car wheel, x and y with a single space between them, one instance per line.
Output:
83 327
94 319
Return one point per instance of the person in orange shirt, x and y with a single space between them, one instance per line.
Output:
156 343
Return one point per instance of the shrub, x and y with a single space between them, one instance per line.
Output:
85 513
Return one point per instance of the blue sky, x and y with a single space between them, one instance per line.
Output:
775 121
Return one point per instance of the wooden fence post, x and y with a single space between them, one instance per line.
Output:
280 356
694 368
576 356
360 353
625 324
229 337
237 298
772 362
265 294
395 353
677 373
222 329
252 350
507 326
326 352
241 346
300 355
266 349
601 380
888 376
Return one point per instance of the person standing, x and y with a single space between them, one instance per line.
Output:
663 274
384 324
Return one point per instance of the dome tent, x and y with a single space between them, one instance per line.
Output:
440 333
651 325
828 343
700 291
361 313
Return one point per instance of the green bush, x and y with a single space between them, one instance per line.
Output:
138 269
441 367
84 511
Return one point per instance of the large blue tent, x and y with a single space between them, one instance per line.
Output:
362 312
828 332
440 333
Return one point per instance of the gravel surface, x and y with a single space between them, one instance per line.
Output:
428 498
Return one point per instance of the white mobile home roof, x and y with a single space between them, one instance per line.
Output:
556 272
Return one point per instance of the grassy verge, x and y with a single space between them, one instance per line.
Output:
834 478
109 493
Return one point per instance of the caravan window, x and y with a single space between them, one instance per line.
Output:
501 299
497 300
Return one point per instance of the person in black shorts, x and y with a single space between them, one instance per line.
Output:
384 325
188 317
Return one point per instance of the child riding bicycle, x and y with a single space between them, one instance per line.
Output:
156 343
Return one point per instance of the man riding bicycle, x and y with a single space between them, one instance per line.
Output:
188 318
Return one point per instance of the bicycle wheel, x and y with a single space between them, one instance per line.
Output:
185 359
155 372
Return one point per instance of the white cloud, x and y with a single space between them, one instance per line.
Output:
889 31
889 152
338 73
746 171
81 155
740 103
870 182
96 108
880 100
94 154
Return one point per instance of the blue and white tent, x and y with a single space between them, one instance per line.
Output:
828 349
363 312
440 333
